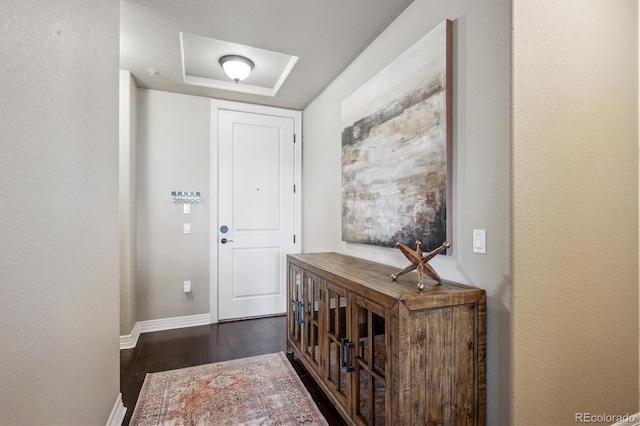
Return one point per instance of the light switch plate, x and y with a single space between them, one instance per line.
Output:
186 208
480 241
187 228
187 286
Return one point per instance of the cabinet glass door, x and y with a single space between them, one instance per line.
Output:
370 337
311 324
294 306
336 326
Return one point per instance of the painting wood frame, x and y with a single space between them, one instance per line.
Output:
396 149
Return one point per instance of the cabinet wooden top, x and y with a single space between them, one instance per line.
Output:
373 281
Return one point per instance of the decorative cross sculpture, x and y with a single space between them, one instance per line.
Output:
420 263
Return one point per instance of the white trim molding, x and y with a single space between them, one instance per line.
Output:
117 413
130 340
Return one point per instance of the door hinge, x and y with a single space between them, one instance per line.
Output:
294 189
294 239
294 138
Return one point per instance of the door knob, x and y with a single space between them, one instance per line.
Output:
225 241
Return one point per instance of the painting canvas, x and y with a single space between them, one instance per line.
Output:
396 150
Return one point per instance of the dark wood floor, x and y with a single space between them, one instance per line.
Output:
186 347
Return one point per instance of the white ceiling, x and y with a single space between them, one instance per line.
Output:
326 36
200 62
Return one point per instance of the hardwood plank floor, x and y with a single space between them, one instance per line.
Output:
187 347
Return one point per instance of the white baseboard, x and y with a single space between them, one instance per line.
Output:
117 413
634 420
130 340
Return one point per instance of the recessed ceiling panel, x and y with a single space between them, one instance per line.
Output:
201 67
327 35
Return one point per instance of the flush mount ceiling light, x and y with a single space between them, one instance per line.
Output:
199 68
236 67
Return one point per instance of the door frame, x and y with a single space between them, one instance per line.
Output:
216 106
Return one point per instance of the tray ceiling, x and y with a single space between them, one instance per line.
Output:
325 36
201 67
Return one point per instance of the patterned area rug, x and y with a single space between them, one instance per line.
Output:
261 390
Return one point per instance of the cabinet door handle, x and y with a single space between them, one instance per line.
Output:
347 346
343 355
350 346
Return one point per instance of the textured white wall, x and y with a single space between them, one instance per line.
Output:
128 201
481 140
172 155
575 209
59 358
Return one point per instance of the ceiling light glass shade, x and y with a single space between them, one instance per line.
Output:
236 67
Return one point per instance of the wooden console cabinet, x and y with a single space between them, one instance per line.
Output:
384 352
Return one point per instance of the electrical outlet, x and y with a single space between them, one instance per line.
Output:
187 228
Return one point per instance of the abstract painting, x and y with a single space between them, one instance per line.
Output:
396 149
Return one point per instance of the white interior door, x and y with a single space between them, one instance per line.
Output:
256 212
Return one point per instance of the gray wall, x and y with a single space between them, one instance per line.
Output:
173 155
59 355
481 140
128 201
575 210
